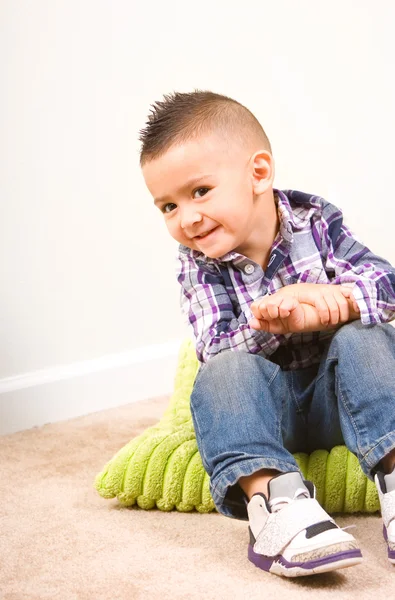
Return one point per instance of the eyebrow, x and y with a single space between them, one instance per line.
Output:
188 184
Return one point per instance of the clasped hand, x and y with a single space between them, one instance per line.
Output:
304 307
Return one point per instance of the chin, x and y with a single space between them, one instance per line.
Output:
215 254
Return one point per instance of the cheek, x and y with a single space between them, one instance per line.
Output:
174 229
238 204
171 227
236 217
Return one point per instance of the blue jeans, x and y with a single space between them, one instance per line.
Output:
250 414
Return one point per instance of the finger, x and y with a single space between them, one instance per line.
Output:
283 313
255 309
347 293
255 306
257 324
322 309
343 305
287 305
272 307
264 325
268 307
296 321
333 307
265 314
262 311
276 326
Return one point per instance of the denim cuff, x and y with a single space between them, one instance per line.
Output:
370 460
229 498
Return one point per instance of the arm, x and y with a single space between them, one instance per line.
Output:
370 278
206 303
304 307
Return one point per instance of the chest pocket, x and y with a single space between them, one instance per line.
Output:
314 275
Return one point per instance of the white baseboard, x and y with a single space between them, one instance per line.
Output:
68 391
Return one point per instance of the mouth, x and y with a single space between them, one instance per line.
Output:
206 235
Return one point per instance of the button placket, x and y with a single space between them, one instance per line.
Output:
249 269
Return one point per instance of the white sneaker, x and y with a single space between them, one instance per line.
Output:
292 535
386 489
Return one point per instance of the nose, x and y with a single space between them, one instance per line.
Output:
190 217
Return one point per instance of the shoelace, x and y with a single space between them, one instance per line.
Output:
278 503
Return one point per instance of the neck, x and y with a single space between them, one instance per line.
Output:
265 230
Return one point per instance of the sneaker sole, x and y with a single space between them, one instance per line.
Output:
280 566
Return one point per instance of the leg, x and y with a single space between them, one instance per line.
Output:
240 410
248 416
357 376
354 397
257 482
299 390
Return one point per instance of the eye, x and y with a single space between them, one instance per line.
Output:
169 207
202 191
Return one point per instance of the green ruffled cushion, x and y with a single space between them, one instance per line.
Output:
162 467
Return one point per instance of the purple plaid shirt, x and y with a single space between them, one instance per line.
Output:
313 245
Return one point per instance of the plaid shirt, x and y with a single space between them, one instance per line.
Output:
313 245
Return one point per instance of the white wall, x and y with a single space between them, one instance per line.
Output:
86 264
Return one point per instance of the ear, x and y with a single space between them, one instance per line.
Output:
262 170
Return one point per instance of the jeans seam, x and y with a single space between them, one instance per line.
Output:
299 409
354 425
294 398
328 359
201 452
280 421
273 376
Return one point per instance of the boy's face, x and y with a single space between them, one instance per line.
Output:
205 190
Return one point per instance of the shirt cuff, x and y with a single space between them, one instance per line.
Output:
365 295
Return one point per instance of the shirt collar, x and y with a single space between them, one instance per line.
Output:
287 222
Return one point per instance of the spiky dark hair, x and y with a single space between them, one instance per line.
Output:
180 117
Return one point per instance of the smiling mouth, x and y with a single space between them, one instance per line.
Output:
205 235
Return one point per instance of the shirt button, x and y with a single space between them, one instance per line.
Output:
249 269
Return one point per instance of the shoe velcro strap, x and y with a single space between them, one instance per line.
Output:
281 527
387 502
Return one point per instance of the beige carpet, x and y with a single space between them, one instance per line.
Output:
60 540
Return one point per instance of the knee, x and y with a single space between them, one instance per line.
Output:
354 337
229 366
350 332
226 364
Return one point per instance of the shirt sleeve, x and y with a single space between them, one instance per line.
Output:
208 308
350 263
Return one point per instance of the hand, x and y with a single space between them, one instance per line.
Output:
284 314
292 309
352 303
335 303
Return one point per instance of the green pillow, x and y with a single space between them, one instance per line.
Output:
162 467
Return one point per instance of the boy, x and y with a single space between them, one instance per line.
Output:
289 314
